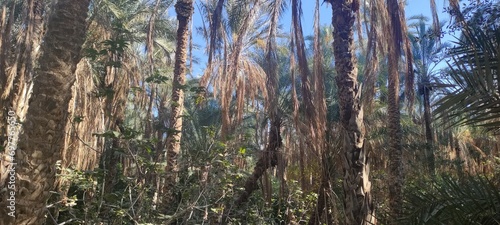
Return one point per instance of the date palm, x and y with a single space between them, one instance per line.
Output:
184 10
357 187
43 137
233 74
394 43
472 78
269 158
427 54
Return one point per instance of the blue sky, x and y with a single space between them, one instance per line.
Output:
414 7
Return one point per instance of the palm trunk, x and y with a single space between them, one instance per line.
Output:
5 36
394 43
268 159
184 10
43 138
357 188
428 130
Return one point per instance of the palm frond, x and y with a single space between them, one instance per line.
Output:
475 98
473 200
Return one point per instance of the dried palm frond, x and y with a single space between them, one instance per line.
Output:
235 74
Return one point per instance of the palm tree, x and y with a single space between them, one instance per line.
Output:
269 157
473 88
394 42
357 187
470 200
426 53
184 10
16 66
120 29
234 73
43 137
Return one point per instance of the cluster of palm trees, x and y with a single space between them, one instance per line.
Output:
113 132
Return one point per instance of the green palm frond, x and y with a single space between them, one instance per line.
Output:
475 97
472 200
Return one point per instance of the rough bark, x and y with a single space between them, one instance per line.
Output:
6 27
394 118
184 10
5 39
43 139
357 188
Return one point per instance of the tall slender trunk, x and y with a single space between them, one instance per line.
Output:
184 10
429 137
394 43
357 187
41 143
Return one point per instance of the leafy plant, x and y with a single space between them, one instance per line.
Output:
473 93
471 200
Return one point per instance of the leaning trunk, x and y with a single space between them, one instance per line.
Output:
184 10
43 138
357 188
269 157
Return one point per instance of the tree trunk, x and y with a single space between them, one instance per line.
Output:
184 10
428 131
396 179
43 138
268 159
357 188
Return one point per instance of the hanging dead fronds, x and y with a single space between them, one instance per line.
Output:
408 54
456 13
435 21
214 30
269 158
319 81
292 69
236 68
320 121
371 68
307 96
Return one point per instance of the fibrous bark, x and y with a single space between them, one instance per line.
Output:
184 10
43 139
357 187
395 41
